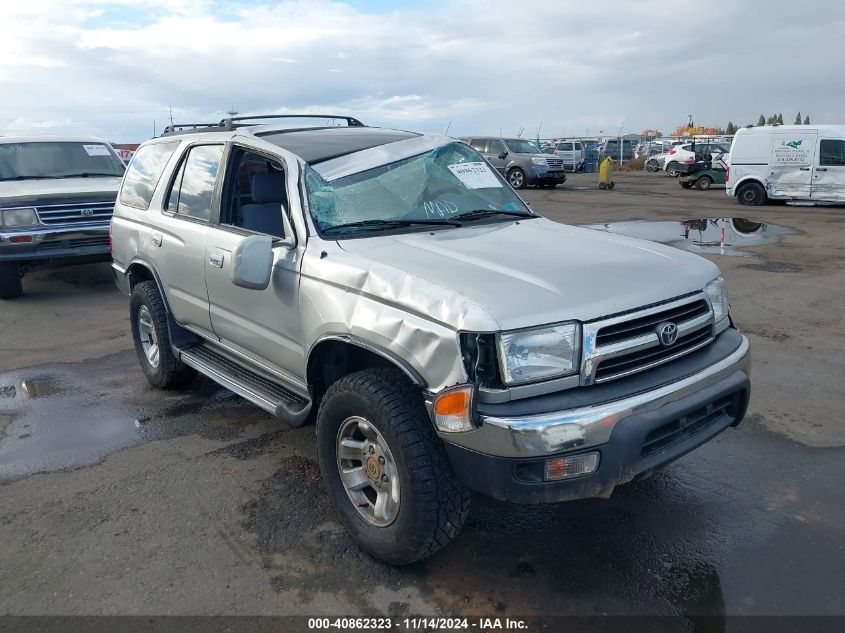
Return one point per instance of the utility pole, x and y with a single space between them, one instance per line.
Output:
154 128
170 108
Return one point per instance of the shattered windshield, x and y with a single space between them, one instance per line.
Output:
436 187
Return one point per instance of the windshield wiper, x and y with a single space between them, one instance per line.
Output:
87 174
477 214
389 224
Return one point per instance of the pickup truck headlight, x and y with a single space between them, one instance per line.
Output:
539 353
19 218
718 298
538 161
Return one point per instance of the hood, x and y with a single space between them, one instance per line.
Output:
14 191
538 271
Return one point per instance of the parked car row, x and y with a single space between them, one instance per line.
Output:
520 161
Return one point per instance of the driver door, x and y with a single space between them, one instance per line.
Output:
495 148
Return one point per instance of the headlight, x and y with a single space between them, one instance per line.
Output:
539 353
718 298
19 218
538 161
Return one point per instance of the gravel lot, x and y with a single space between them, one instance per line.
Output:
116 499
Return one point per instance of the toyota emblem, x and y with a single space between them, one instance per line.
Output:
86 212
667 333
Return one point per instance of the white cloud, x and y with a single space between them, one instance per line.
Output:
111 68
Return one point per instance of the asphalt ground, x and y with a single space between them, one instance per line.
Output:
117 499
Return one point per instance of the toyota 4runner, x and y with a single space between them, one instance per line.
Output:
56 201
394 289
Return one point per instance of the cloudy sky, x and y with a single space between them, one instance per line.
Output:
474 66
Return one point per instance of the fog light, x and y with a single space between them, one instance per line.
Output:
453 409
564 467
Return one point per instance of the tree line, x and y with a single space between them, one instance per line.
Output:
775 119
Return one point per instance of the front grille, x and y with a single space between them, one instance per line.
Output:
88 242
638 327
619 366
686 426
75 213
554 162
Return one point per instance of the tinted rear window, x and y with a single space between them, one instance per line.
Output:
143 174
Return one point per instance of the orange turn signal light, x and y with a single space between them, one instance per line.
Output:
453 409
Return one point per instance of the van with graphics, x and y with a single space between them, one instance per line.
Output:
800 163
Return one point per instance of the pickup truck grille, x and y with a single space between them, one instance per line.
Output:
75 213
622 346
554 162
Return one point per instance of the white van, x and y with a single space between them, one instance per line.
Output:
788 162
572 154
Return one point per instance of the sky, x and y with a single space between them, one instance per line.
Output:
566 68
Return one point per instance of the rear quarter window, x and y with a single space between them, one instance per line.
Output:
143 174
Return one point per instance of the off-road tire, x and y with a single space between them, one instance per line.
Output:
704 183
751 194
170 372
10 280
433 504
516 178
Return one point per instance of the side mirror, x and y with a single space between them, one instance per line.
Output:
252 262
503 155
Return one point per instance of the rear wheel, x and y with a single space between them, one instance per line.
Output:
384 468
751 194
672 169
151 335
516 178
10 280
651 165
704 183
686 184
611 185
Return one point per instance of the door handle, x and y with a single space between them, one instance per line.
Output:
216 260
804 168
156 239
821 168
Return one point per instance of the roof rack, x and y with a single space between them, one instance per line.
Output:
232 123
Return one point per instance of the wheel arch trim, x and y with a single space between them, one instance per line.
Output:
356 341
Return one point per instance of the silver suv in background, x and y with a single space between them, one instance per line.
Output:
393 289
520 161
56 200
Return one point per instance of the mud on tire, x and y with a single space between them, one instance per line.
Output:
433 505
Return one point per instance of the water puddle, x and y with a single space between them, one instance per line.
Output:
702 235
66 416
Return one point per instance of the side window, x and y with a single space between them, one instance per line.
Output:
479 144
495 147
578 147
564 147
832 152
143 174
193 189
256 194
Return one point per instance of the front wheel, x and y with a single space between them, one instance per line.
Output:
151 335
10 280
751 194
516 178
385 470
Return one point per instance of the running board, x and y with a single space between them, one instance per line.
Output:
269 395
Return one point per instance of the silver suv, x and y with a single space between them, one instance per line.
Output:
519 161
56 199
392 288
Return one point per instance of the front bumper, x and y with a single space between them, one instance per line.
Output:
557 176
504 457
56 242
